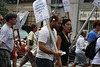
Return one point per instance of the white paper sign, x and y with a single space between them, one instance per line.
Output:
24 18
40 10
21 15
66 5
17 26
97 3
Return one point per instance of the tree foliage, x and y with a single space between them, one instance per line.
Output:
3 9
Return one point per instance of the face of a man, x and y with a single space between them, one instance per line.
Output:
1 19
13 21
58 23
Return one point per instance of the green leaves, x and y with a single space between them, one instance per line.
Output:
3 9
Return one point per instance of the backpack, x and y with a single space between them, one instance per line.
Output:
90 50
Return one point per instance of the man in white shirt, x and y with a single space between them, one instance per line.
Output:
80 48
46 52
96 59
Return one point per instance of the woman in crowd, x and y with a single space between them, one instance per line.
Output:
63 41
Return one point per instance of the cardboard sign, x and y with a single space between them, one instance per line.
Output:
21 14
40 10
66 5
97 3
24 18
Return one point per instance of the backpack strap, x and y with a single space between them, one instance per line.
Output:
98 51
99 48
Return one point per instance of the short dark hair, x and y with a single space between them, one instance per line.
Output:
54 17
83 32
10 16
33 26
95 23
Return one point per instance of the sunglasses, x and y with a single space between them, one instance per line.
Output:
1 19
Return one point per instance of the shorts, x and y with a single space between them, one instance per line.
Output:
80 58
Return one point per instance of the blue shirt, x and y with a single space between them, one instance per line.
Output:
92 35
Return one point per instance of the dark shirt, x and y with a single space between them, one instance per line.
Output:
64 47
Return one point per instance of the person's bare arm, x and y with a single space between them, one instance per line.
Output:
88 42
43 48
58 42
0 43
27 45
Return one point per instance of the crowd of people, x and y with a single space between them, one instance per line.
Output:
40 49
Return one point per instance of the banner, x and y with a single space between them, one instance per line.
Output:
40 10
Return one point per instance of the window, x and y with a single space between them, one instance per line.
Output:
21 1
88 0
57 3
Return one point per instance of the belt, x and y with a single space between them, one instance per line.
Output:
5 50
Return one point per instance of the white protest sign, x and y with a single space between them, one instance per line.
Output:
66 5
97 3
40 10
17 26
24 18
21 14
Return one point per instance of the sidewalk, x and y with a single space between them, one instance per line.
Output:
29 65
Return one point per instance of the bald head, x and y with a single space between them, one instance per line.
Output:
56 21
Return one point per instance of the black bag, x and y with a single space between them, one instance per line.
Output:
90 50
73 49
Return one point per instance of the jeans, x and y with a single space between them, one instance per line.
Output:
5 58
95 65
44 62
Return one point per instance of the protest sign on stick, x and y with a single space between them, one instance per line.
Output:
67 8
41 13
96 4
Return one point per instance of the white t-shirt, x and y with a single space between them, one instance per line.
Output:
80 44
96 59
44 36
6 36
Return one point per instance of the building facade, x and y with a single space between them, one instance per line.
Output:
85 8
54 6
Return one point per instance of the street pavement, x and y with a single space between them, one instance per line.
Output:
29 65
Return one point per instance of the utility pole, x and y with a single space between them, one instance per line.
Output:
17 6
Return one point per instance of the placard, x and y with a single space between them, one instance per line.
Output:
96 3
66 5
40 10
24 18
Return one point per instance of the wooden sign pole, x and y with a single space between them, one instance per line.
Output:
54 43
